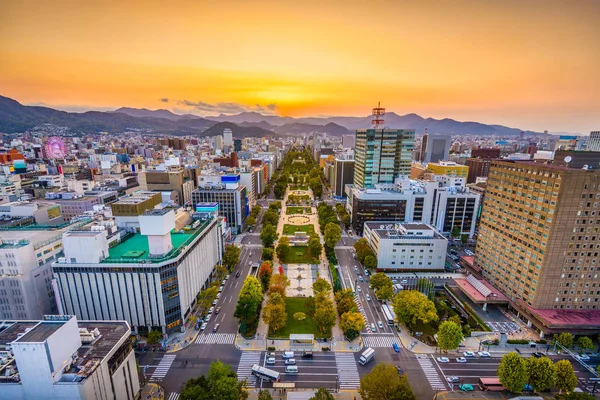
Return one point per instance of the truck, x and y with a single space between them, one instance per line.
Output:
366 356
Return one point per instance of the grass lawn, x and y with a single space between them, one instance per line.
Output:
298 210
289 229
294 305
298 255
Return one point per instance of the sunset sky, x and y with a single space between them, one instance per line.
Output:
527 64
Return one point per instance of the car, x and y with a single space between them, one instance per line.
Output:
380 324
404 282
358 289
583 357
223 282
469 252
203 327
356 268
216 328
465 387
237 274
214 303
271 354
396 347
367 272
210 310
217 310
373 329
218 295
443 359
483 354
538 354
207 318
271 360
368 298
307 354
250 262
453 379
461 360
468 354
221 288
394 281
290 361
360 278
227 277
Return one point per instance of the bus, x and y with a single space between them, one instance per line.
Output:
491 384
390 317
265 373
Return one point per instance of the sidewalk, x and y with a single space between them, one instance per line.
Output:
413 344
152 391
277 395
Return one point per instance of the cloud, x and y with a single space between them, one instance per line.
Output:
164 100
228 108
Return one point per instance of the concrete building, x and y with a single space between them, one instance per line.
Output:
343 174
406 247
538 242
436 148
61 358
127 210
149 279
72 204
251 177
227 137
594 141
448 168
381 155
175 178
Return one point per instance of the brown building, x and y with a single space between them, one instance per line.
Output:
485 153
478 168
174 143
177 178
136 204
539 241
231 161
10 156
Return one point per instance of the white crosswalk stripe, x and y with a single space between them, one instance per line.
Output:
431 373
216 338
244 370
347 371
163 367
173 396
380 341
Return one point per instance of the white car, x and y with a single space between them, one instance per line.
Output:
583 357
461 360
358 289
404 282
271 360
356 268
453 379
368 298
483 354
468 354
380 324
203 327
443 359
221 288
227 277
207 318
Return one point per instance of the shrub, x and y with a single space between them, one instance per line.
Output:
299 316
270 348
517 341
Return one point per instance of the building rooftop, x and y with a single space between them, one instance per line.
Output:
566 319
41 332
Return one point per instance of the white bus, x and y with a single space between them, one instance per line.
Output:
390 317
265 373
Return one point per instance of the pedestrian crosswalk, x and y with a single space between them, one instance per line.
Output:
380 341
163 367
432 375
216 338
244 370
347 371
173 396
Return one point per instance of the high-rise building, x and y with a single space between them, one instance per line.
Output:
343 174
229 193
594 141
237 145
437 148
538 242
176 178
227 137
382 155
219 142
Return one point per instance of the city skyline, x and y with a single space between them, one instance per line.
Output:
528 65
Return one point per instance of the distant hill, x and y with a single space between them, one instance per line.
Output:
237 130
145 113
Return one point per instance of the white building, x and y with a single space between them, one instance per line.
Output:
227 137
594 141
59 358
149 279
406 247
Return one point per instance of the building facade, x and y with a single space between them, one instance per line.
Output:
437 148
343 174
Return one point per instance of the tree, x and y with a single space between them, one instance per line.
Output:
314 173
455 231
154 337
231 256
565 339
512 372
370 262
385 293
283 248
585 343
220 273
249 301
275 205
541 373
206 297
251 220
220 383
384 383
274 315
279 280
314 247
579 396
321 286
322 394
382 285
267 253
332 234
565 376
345 301
271 217
325 316
362 248
264 274
411 306
351 324
464 238
264 394
346 220
449 335
316 186
268 235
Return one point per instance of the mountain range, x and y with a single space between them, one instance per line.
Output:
16 118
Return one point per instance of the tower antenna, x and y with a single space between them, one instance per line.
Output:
378 113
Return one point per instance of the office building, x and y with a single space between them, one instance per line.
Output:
62 358
406 247
479 163
437 148
219 142
576 159
538 242
227 137
382 155
448 168
348 141
343 174
237 145
148 278
127 209
594 141
485 153
177 178
72 204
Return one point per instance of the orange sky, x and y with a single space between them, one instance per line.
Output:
528 64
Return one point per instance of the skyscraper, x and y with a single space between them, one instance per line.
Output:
594 142
227 137
437 148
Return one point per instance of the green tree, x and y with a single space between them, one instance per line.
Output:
585 343
271 217
268 235
541 373
316 186
464 238
264 394
579 396
206 297
231 256
283 248
346 220
384 383
220 383
351 324
251 220
412 306
274 315
385 293
332 234
267 253
512 372
455 231
314 173
275 205
565 339
382 285
565 376
314 247
325 315
321 286
345 301
220 273
249 301
154 337
362 248
370 262
449 335
322 394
